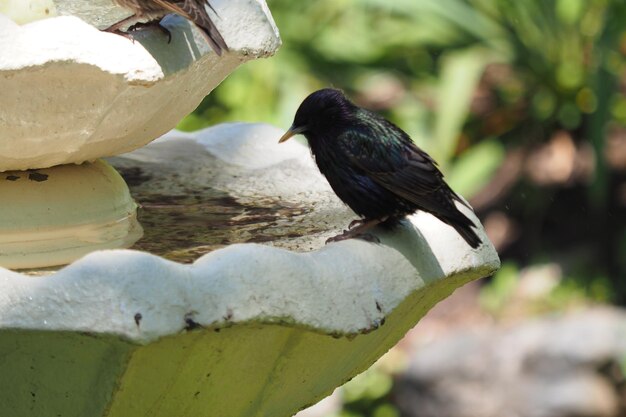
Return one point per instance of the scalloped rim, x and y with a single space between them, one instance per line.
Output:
344 288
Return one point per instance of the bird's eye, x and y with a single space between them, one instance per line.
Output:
299 121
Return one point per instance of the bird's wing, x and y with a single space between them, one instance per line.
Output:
390 158
173 7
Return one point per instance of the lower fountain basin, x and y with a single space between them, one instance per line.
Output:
245 330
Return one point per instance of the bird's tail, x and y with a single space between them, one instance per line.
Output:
197 13
213 37
442 205
465 227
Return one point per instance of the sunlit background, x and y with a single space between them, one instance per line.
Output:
523 105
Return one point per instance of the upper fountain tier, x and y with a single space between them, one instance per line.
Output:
71 93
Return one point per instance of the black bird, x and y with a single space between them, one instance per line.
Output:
374 167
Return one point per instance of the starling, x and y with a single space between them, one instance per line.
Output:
194 10
374 167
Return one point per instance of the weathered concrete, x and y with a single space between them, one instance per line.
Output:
56 215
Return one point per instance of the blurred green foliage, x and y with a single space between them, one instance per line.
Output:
495 296
384 55
420 62
367 395
504 296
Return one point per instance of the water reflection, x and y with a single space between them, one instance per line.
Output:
185 215
184 227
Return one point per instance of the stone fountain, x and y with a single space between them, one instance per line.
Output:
230 304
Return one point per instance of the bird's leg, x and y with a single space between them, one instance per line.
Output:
358 231
116 27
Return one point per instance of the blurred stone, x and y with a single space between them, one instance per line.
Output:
501 229
585 164
553 162
459 311
560 161
551 367
538 281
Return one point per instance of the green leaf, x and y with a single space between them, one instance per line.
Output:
569 11
460 76
450 14
475 167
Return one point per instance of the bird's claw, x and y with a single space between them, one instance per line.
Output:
167 32
338 238
347 234
355 223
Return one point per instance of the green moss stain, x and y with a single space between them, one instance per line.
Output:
59 374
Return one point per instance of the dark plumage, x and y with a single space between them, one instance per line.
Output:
194 10
373 166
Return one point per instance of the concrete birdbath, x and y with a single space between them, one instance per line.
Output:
238 309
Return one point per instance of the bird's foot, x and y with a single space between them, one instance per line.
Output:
343 236
117 28
347 234
358 229
350 234
364 224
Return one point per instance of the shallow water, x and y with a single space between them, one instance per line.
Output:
182 226
191 203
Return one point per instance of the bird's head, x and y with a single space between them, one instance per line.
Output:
321 111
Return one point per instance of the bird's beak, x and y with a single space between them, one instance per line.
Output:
291 132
